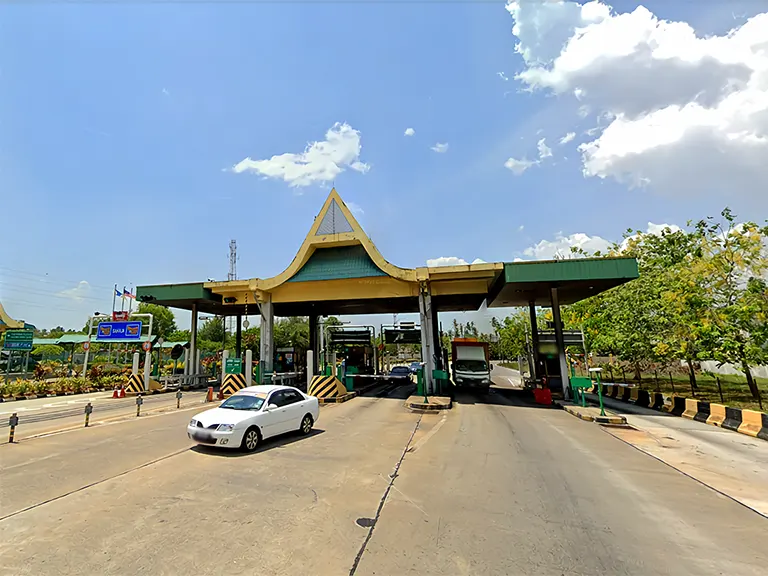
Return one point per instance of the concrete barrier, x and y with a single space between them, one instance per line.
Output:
614 390
716 414
626 393
691 408
702 412
644 399
232 384
678 406
754 423
732 419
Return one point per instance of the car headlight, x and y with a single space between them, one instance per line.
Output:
225 427
193 422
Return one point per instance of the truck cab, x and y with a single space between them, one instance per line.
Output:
470 365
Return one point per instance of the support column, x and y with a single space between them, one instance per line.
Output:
437 350
193 342
427 336
312 360
239 336
224 357
267 360
534 340
564 376
248 367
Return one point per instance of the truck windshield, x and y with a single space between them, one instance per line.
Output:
471 365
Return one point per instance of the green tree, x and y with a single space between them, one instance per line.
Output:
731 272
212 330
179 336
292 331
163 320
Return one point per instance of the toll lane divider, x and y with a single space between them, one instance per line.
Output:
232 384
748 422
329 389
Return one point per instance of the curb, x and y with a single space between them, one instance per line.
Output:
575 411
428 407
748 422
337 399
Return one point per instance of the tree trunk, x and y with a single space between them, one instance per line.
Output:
750 381
638 374
691 375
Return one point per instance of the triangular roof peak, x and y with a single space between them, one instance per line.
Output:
335 225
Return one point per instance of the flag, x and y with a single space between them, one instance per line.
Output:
125 294
129 295
117 293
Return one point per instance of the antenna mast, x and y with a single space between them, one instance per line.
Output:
232 275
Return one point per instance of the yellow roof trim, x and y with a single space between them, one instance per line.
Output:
9 322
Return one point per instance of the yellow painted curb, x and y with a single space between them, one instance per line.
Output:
716 414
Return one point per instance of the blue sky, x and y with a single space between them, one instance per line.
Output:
120 124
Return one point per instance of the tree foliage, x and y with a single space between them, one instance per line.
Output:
163 320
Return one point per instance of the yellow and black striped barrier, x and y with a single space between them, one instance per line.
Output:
135 384
232 383
328 389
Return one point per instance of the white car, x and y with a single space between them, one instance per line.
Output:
253 414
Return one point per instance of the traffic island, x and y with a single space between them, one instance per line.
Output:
337 399
432 403
592 414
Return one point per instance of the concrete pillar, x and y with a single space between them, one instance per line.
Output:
436 339
198 366
135 367
147 369
224 356
186 362
427 336
564 376
193 341
534 340
248 367
239 336
267 327
312 368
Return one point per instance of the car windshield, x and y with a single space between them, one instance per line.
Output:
399 370
471 365
243 402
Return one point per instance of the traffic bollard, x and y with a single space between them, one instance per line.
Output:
178 399
13 421
88 410
139 402
209 396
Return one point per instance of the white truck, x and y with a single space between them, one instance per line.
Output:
470 365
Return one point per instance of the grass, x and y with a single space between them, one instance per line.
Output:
733 387
512 365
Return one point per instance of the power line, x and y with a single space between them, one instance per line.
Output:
48 294
48 277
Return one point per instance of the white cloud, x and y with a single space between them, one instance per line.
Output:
683 112
518 166
78 292
451 261
521 228
567 138
321 161
440 148
409 132
502 76
561 246
165 92
356 209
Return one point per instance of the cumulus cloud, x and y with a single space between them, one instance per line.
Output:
567 138
561 246
440 148
356 209
518 166
77 293
681 112
409 132
451 261
502 76
321 161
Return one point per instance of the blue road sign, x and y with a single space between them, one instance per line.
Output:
119 330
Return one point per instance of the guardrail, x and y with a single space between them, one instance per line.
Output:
179 380
282 378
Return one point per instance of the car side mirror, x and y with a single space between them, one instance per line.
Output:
491 366
272 407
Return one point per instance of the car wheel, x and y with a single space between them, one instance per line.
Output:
306 425
251 440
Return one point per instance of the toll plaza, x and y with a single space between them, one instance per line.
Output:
339 271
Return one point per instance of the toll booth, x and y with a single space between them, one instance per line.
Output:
353 347
549 355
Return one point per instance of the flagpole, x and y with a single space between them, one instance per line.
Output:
130 301
122 301
114 294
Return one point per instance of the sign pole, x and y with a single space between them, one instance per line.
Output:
8 366
88 347
26 365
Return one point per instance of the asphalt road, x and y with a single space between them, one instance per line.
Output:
506 377
492 487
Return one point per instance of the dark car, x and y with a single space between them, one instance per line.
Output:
400 373
415 367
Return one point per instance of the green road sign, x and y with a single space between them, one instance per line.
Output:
18 340
233 366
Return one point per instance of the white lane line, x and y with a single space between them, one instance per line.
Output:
20 409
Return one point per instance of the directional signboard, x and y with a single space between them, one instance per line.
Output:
233 366
18 340
119 331
402 336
